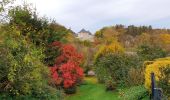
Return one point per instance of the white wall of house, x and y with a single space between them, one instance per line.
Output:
85 36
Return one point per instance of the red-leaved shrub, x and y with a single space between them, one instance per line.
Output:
66 71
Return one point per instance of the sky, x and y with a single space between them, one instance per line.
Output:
92 15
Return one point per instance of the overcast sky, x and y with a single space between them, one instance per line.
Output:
95 14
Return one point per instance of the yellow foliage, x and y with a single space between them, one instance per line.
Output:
70 37
143 38
114 47
107 35
165 38
155 67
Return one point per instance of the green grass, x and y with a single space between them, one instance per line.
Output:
93 91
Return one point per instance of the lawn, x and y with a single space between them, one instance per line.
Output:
92 90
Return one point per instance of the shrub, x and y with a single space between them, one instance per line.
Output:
135 76
119 70
158 67
164 82
50 94
113 48
112 67
66 71
133 93
135 69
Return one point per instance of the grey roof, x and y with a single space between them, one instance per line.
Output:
84 31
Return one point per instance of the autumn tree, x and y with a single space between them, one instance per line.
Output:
134 30
106 35
114 47
24 41
165 41
39 31
104 50
22 73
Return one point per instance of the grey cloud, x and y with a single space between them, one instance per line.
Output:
90 13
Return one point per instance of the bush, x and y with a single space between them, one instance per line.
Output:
160 67
48 95
133 93
22 72
164 82
66 71
119 70
112 68
135 76
100 59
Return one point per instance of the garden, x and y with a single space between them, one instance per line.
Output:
43 60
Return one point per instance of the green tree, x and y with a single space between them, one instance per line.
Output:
148 52
21 69
37 30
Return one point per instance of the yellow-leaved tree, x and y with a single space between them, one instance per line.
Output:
165 41
106 35
144 38
114 47
165 38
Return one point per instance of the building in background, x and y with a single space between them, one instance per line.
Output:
85 35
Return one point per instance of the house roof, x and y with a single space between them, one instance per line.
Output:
84 31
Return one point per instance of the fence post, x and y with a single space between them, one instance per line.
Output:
157 93
152 85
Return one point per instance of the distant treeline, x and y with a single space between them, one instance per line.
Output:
136 30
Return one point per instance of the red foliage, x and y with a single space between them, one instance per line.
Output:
53 72
69 53
70 73
66 66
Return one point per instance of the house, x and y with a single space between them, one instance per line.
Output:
85 35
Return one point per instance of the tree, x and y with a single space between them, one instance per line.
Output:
165 41
114 47
165 38
37 30
148 52
24 41
21 71
134 30
100 62
106 35
144 38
